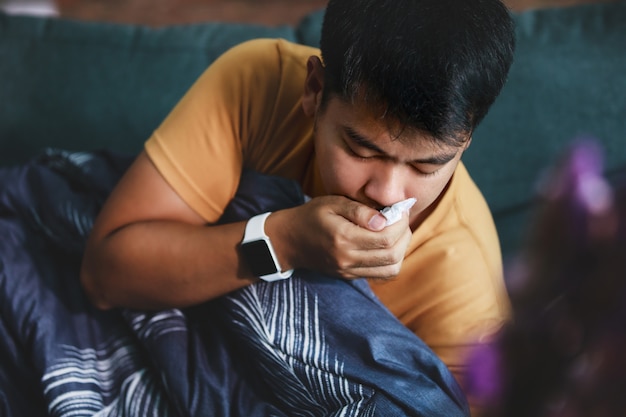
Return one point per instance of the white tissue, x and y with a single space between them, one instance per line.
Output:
394 212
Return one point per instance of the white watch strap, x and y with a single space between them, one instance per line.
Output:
255 230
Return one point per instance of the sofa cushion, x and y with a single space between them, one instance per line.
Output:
85 85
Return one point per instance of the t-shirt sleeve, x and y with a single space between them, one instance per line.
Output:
199 147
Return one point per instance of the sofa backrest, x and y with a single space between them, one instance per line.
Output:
84 85
568 82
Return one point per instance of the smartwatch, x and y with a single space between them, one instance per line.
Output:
258 252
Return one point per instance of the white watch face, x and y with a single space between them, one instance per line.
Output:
259 258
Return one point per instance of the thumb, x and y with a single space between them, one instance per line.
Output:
361 215
377 222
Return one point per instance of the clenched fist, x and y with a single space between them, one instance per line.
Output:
340 237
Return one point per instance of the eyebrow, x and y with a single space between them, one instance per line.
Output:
360 140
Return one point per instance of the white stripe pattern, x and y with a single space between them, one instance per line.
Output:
281 320
106 382
157 324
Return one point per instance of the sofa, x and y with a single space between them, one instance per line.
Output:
71 89
84 86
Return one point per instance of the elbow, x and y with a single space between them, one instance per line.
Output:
93 286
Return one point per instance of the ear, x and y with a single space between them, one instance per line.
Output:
313 86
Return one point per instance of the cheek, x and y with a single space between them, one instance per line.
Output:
427 191
425 195
340 173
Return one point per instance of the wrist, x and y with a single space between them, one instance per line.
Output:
258 251
279 230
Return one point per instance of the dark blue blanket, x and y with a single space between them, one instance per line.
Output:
308 346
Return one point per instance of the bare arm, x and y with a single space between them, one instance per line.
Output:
148 249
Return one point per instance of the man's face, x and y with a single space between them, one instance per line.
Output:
366 158
369 158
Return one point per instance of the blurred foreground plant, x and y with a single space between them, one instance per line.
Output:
564 355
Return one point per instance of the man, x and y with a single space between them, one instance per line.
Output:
383 114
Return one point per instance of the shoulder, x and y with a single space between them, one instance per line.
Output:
473 218
259 72
463 217
267 53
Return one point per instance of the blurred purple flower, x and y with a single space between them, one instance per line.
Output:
562 356
591 189
484 379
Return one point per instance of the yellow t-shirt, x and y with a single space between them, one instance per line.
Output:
245 111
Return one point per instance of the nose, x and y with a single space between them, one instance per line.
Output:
385 185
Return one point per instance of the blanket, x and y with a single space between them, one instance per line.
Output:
308 346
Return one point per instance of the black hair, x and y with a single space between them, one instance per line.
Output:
434 65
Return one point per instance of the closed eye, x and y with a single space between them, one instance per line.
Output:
359 147
354 154
423 173
362 149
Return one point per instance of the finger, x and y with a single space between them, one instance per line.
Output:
391 236
378 263
377 258
361 215
385 272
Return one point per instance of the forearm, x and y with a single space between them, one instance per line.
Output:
162 264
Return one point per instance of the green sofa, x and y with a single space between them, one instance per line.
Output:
84 86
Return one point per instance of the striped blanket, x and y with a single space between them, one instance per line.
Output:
308 346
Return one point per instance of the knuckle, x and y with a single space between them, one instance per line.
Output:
392 265
395 259
339 239
391 262
395 269
386 273
358 213
342 265
385 242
